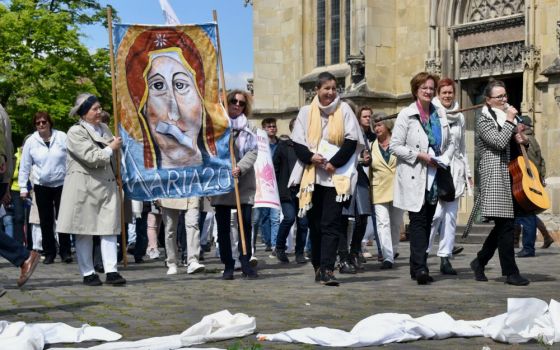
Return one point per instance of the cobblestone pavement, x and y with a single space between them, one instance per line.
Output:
285 297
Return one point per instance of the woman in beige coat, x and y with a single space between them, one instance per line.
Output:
90 205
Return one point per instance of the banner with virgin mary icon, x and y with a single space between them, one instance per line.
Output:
175 131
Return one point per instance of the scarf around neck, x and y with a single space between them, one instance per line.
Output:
245 140
335 135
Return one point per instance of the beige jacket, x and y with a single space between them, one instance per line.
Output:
90 203
382 175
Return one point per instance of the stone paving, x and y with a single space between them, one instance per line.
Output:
285 297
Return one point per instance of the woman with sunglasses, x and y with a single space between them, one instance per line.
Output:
90 203
43 161
245 151
421 133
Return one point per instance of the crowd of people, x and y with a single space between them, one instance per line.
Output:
344 175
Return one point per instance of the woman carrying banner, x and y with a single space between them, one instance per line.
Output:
421 134
90 205
245 151
445 217
330 125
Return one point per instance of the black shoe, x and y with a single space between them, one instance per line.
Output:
268 248
130 249
345 267
250 276
327 278
300 259
92 280
99 269
396 256
446 268
207 247
478 270
423 277
457 250
138 260
49 259
201 255
355 261
282 256
66 258
517 280
525 254
228 274
115 279
386 265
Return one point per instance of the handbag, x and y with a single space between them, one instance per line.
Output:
445 187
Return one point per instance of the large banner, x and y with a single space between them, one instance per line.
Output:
266 194
175 131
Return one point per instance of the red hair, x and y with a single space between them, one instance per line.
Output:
445 82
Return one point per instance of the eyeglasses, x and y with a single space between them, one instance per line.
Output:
235 101
427 88
41 122
499 97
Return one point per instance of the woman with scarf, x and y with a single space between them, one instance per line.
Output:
497 142
90 203
445 217
245 150
327 140
420 141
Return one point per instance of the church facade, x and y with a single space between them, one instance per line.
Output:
374 47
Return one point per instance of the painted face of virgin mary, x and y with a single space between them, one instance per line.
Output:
174 111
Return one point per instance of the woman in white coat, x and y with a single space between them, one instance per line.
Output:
445 218
421 134
90 204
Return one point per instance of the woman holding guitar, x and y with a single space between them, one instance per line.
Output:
497 140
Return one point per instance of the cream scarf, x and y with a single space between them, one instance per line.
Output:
335 127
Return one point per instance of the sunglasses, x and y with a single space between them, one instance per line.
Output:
235 101
41 122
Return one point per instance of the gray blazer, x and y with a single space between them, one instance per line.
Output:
407 140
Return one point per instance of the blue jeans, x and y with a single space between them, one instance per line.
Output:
289 209
13 221
529 224
268 219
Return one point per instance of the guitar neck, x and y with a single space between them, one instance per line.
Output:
526 159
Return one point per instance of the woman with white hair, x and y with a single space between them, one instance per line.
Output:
90 205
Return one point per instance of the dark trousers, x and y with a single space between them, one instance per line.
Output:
529 227
501 238
419 228
10 249
223 221
290 210
358 233
141 236
48 202
325 225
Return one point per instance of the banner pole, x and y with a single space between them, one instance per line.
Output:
116 132
233 162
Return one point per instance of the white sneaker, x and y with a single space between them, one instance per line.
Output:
194 267
153 253
253 261
171 269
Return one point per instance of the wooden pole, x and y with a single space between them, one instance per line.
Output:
393 116
116 132
232 152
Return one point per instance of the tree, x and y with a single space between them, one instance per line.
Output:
43 64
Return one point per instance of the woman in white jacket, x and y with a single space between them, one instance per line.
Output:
45 153
421 134
445 218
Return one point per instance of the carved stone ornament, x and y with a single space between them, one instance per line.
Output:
250 86
480 10
433 65
491 60
531 57
357 69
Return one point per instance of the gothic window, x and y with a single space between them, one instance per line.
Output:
335 31
321 32
487 9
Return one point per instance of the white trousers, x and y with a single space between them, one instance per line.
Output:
389 222
37 237
207 227
171 219
84 253
444 224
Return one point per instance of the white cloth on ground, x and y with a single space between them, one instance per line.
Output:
525 319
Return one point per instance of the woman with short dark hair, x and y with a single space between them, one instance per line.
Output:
43 161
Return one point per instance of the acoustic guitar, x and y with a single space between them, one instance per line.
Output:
527 187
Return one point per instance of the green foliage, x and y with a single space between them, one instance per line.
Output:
43 64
